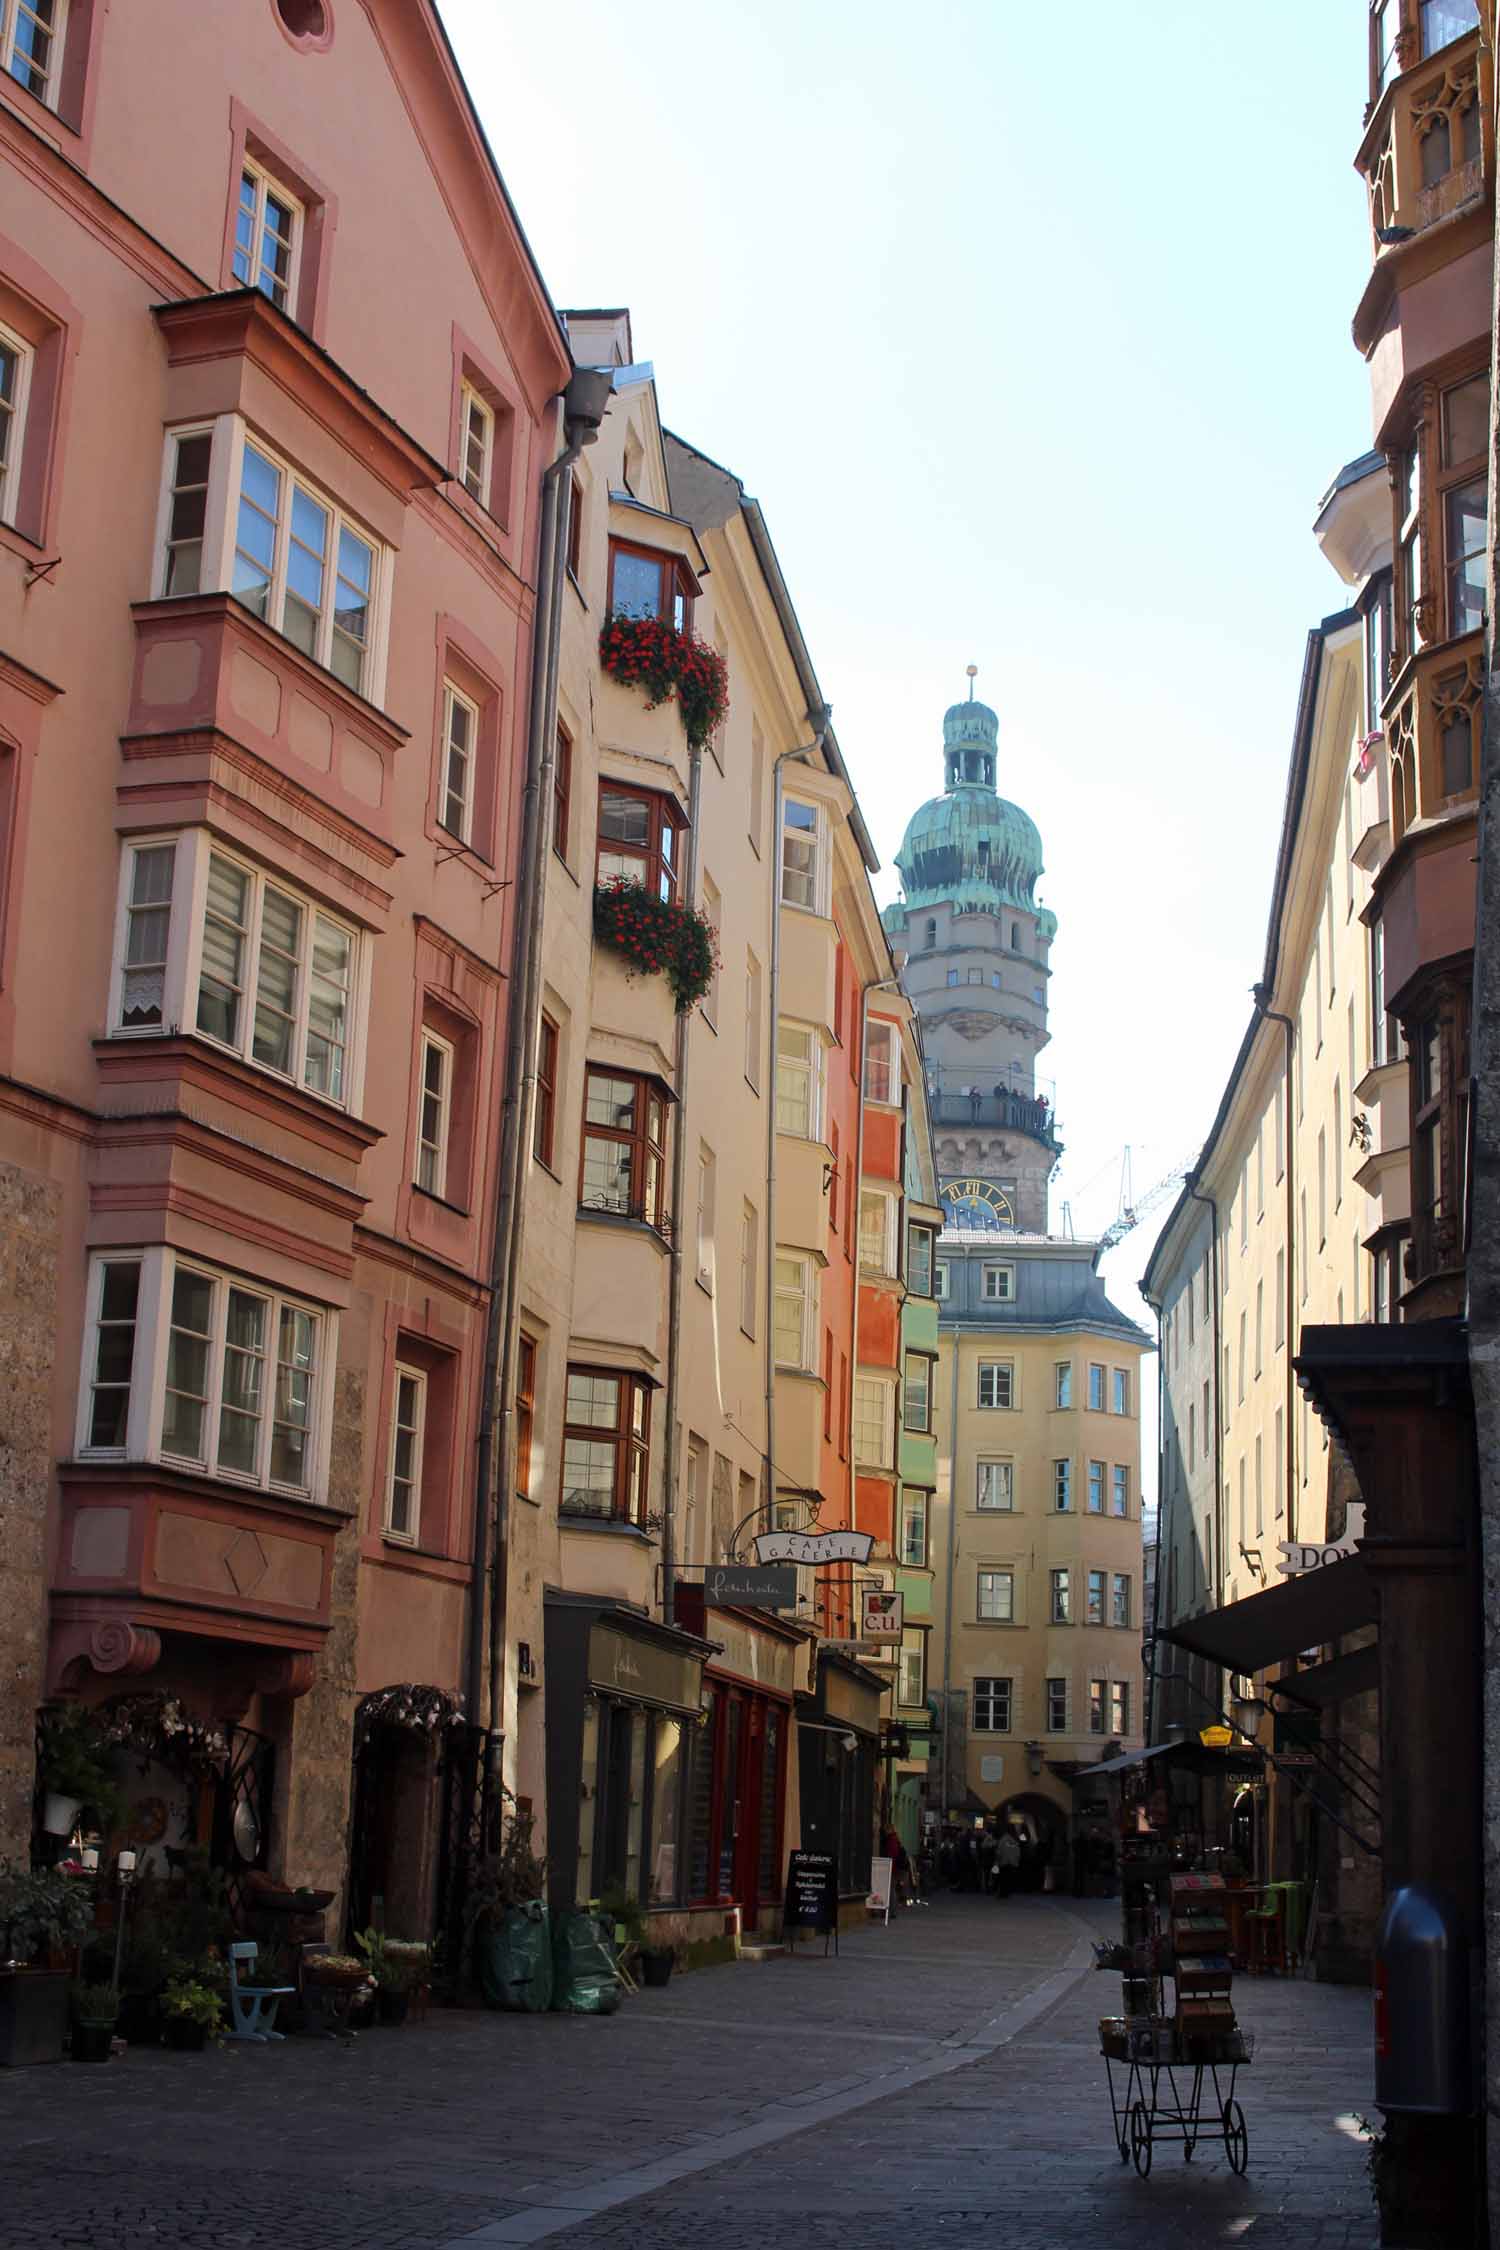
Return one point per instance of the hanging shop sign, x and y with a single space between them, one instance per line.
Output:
773 1587
882 1615
813 1546
1216 1738
1298 1555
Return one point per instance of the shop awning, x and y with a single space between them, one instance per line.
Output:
1268 1628
1197 1757
1335 1681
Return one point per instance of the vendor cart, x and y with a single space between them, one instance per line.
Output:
1167 2097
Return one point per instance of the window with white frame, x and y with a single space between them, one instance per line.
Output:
460 734
1120 1599
919 1242
187 1364
999 1285
801 855
913 1548
882 1062
707 1198
403 1486
267 236
992 1705
254 967
1057 1706
476 443
1096 1389
1121 1391
874 1415
749 1267
995 1484
877 1231
31 45
997 1382
911 1675
1119 1490
1119 1707
940 1280
189 464
15 386
752 1022
995 1597
1093 1598
1062 1597
1096 1488
1062 1487
1063 1391
435 1114
917 1401
300 564
795 1310
799 1080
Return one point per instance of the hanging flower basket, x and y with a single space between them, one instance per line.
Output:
156 1727
654 937
421 1710
646 652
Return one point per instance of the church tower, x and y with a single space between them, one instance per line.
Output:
975 947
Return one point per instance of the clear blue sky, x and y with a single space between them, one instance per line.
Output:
1029 328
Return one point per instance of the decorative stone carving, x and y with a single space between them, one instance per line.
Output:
115 1645
289 1672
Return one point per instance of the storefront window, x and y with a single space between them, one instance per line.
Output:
769 1871
729 1794
635 1807
700 1798
588 1798
666 1810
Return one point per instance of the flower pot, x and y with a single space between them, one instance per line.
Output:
140 2019
92 2042
187 2037
33 2017
656 1967
393 2005
59 1813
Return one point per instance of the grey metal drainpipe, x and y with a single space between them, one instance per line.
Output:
1258 996
585 403
673 1451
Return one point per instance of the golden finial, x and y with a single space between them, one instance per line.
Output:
972 670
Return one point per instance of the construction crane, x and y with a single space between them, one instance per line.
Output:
1132 1212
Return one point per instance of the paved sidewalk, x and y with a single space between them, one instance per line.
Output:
939 2072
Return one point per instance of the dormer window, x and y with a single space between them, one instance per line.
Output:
267 234
644 582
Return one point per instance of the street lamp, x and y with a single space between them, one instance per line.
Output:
1247 1711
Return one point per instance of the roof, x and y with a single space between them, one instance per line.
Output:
1052 1292
1354 472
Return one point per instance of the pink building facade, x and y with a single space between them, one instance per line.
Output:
273 415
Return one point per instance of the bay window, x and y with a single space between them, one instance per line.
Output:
189 460
918 1392
1463 439
794 1313
877 1231
645 582
206 941
882 1063
911 1671
919 1249
624 1157
799 1080
913 1546
1443 21
606 1445
874 1414
802 855
640 839
189 1365
268 225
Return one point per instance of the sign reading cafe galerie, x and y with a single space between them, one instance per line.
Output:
813 1546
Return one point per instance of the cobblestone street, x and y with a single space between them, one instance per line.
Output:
939 2073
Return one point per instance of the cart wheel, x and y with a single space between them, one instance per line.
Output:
1236 2137
1140 2140
1187 2148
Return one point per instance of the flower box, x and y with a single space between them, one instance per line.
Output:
654 936
648 653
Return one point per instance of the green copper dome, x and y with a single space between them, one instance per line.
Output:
970 847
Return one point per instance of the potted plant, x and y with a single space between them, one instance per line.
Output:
73 1769
95 2010
193 2013
397 1965
657 1963
42 1916
340 1970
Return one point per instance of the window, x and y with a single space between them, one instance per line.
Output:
190 458
267 231
707 1197
1062 1597
752 1022
300 564
562 793
544 1124
1409 543
1120 1604
240 1383
403 1489
1278 1465
911 1676
1119 1707
919 1243
749 1267
1463 435
1192 1435
976 976
525 1411
757 790
882 1063
917 1405
1302 1231
995 1485
1280 1324
801 855
1122 1391
1322 1187
606 1442
799 1080
1260 1325
1244 1527
795 1310
997 1382
1094 1598
992 1706
148 912
914 1528
999 1285
644 582
1260 1170
1096 1488
1098 1705
624 1160
952 976
434 1114
476 443
1096 1390
940 1281
1063 1383
713 914
460 732
1119 1498
874 1415
640 834
930 936
1242 1359
1244 1206
995 1597
1443 21
877 1231
1057 1706
1259 1491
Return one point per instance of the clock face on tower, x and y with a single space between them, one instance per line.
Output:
978 1203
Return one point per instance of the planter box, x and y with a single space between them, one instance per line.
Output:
33 2017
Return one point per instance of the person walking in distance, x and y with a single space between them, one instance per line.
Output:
1007 1862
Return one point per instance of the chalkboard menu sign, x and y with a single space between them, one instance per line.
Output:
812 1892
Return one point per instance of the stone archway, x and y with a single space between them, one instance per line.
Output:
1042 1827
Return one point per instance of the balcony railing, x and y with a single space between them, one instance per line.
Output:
1432 720
1426 152
1015 1113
